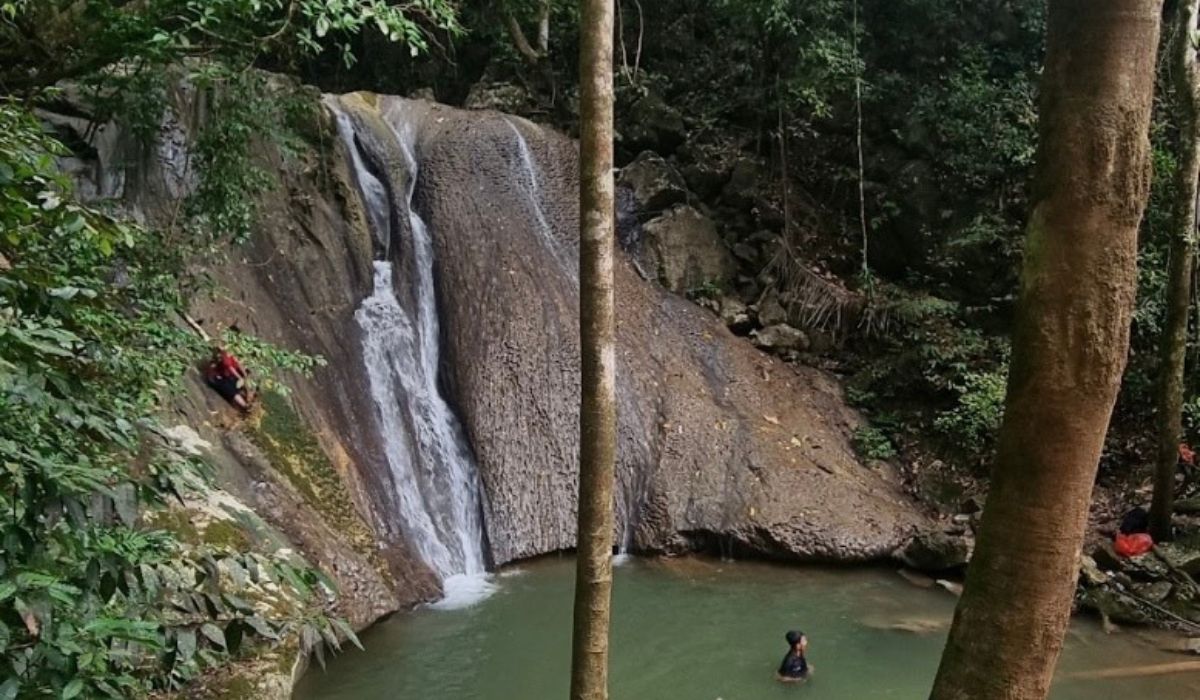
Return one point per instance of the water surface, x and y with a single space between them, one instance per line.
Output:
701 630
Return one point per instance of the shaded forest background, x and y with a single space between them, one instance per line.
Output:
865 164
947 92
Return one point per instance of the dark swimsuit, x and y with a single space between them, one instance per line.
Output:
794 666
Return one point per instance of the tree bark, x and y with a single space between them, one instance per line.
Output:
597 416
1070 342
1173 343
544 28
531 56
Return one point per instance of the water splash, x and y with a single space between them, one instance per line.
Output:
438 494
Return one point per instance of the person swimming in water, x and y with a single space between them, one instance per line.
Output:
795 668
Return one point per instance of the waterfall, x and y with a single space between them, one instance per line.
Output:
438 494
528 181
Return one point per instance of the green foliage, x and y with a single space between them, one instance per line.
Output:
980 126
245 109
972 424
930 346
87 38
708 289
92 604
1191 417
775 54
873 443
922 353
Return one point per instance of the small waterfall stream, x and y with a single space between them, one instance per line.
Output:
528 180
438 494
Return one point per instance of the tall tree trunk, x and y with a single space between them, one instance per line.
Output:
1173 344
597 415
1070 341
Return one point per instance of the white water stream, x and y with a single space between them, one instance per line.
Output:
531 187
438 495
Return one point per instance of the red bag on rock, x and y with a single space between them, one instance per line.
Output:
1133 545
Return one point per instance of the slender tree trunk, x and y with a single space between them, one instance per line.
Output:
1173 344
1070 342
544 28
530 54
597 416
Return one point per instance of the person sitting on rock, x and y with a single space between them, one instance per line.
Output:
795 668
225 375
1133 537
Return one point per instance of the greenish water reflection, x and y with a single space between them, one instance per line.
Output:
699 630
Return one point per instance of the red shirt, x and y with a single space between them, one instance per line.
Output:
230 365
224 367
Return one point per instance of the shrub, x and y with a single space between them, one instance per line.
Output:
974 420
873 443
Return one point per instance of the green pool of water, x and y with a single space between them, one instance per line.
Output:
701 630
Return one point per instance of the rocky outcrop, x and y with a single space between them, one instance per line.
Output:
719 444
499 96
310 467
681 249
654 183
780 337
937 552
651 123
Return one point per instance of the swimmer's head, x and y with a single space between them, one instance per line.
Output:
796 638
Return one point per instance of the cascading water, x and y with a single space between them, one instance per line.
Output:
528 179
438 495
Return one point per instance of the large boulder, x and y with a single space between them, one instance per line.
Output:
936 551
718 442
654 182
651 123
683 250
780 337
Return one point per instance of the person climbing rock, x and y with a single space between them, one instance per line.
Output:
227 377
794 667
1133 535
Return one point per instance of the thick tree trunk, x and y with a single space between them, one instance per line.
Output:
1173 344
1070 342
597 416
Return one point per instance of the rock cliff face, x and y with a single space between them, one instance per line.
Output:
720 445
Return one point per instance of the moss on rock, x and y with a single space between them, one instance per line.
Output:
294 452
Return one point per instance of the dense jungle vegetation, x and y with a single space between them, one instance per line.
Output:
895 139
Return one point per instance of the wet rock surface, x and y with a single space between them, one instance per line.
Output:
296 283
719 444
1155 587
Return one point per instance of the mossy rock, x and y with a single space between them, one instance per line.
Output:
196 528
295 453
